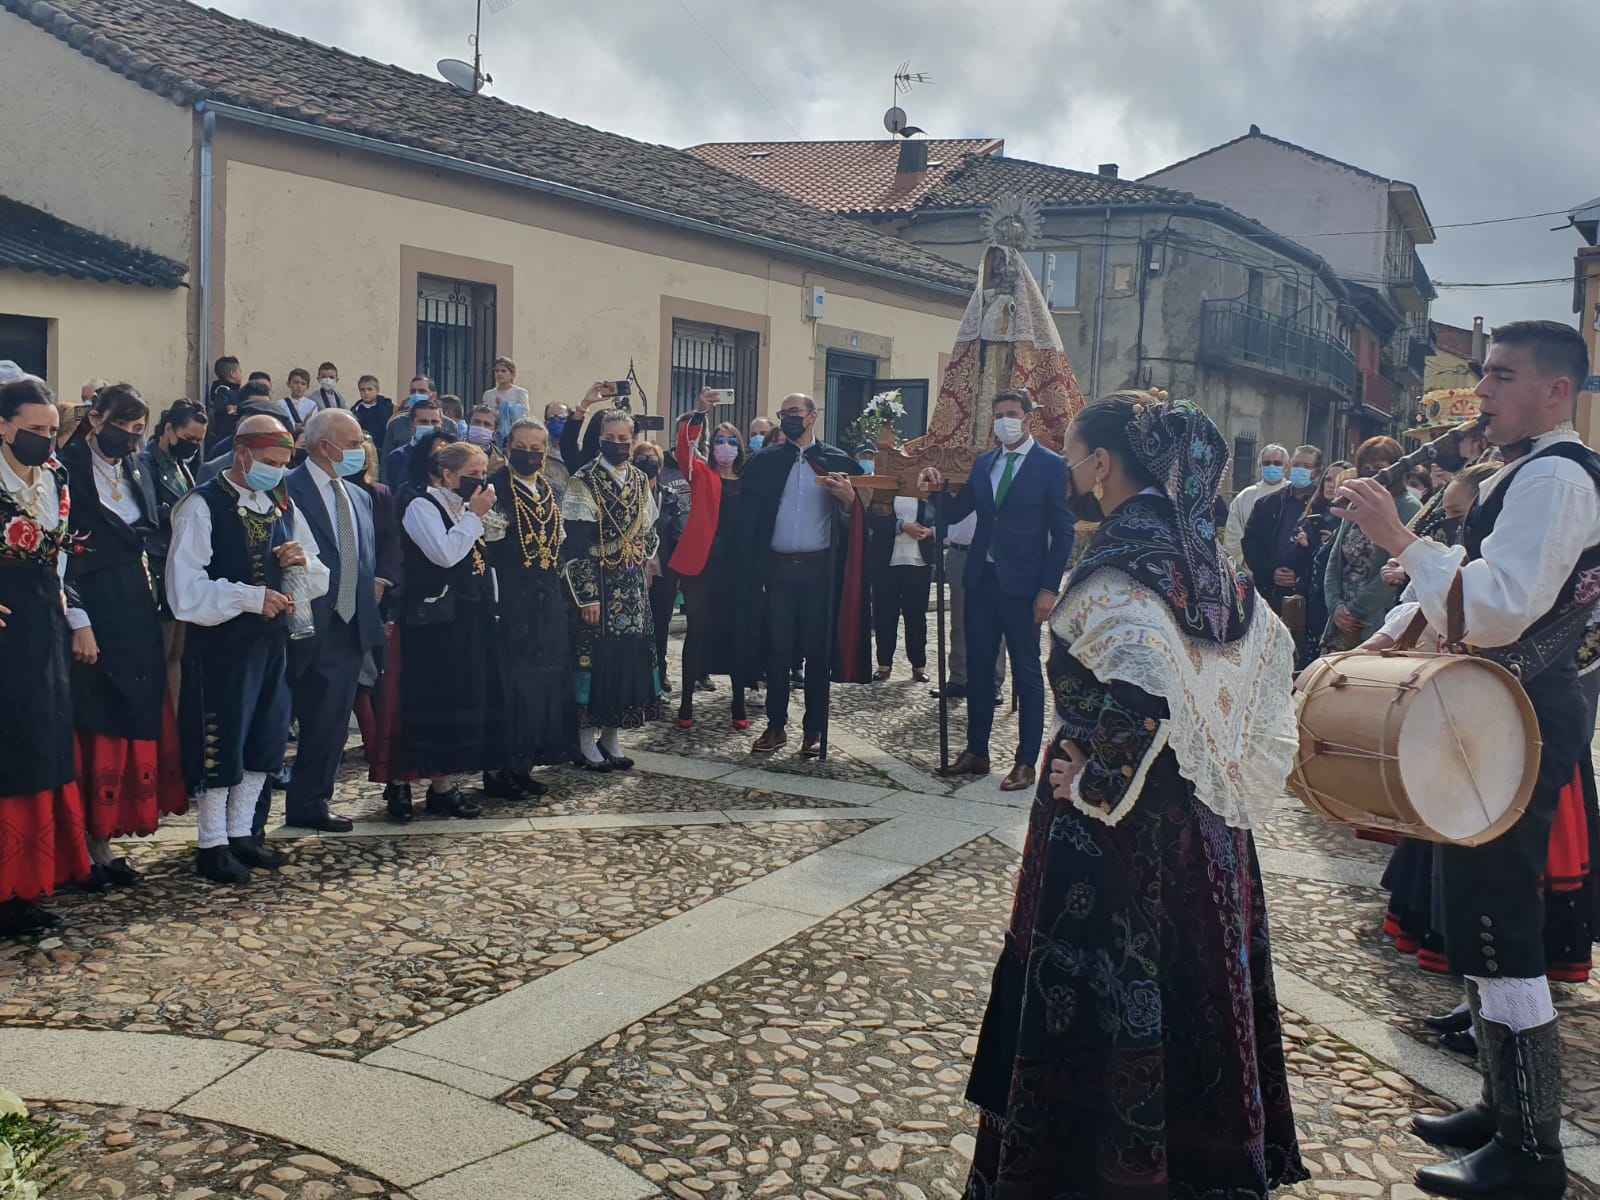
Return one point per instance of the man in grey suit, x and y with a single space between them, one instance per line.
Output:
324 668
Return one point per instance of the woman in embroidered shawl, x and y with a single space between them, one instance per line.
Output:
1132 1045
609 514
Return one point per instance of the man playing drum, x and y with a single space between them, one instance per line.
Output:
1529 565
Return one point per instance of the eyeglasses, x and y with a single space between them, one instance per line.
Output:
724 441
793 412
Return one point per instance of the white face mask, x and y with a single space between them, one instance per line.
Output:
327 383
1008 430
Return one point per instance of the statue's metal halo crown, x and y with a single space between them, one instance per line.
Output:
1013 221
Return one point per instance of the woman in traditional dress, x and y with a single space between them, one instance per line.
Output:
450 681
119 672
386 533
39 799
705 560
610 514
533 640
1358 598
1132 1044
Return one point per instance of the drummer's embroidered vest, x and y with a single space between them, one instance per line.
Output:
1556 635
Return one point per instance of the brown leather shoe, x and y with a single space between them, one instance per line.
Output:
966 763
769 741
811 745
1020 779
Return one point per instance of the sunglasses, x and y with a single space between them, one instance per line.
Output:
725 441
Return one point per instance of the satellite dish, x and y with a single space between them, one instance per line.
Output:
460 74
894 120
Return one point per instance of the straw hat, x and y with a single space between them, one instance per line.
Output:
1443 410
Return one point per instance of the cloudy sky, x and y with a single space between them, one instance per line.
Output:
1477 103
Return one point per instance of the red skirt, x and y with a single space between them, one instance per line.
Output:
386 762
131 784
41 842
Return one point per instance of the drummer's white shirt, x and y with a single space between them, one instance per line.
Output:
1550 517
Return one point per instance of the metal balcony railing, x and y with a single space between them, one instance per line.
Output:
1234 332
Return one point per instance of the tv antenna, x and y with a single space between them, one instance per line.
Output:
895 120
469 76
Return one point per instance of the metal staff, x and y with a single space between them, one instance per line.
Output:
835 608
938 594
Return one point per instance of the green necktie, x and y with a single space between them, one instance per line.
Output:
1005 480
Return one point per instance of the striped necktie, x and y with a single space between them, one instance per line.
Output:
349 562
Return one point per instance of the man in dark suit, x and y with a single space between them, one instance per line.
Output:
324 668
1019 554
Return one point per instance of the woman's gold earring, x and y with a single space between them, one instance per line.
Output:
1099 491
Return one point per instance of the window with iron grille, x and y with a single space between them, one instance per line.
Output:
26 342
715 356
456 336
1244 462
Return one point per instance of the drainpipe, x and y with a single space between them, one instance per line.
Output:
1100 310
208 129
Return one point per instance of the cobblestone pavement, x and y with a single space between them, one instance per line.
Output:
127 1154
362 942
825 1058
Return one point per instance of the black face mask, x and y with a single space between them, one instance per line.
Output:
298 457
526 462
794 428
116 443
616 453
184 450
469 487
32 449
650 465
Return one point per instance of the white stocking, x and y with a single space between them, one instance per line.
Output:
587 736
1518 1004
100 852
211 813
609 742
242 798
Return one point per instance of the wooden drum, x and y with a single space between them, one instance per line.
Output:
1442 747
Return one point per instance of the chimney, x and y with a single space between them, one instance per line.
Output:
1478 346
1109 170
913 160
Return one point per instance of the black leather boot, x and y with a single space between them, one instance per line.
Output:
1471 1128
218 864
253 852
1524 1159
1455 1022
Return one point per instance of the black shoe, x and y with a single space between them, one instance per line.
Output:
704 684
253 852
956 691
1456 1022
1463 1044
218 864
96 881
532 789
122 873
1470 1129
451 804
1522 1080
326 823
619 762
23 918
797 676
397 801
666 687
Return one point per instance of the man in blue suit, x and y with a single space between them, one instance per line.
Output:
324 668
1019 554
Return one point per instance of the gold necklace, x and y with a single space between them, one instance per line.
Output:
538 526
112 477
30 498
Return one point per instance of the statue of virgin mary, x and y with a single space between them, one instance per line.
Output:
1007 339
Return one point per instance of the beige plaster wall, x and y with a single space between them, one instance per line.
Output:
108 331
313 271
83 143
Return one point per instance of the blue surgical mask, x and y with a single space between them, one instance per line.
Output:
263 478
1299 477
416 397
353 463
555 425
1272 474
420 431
866 466
757 440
